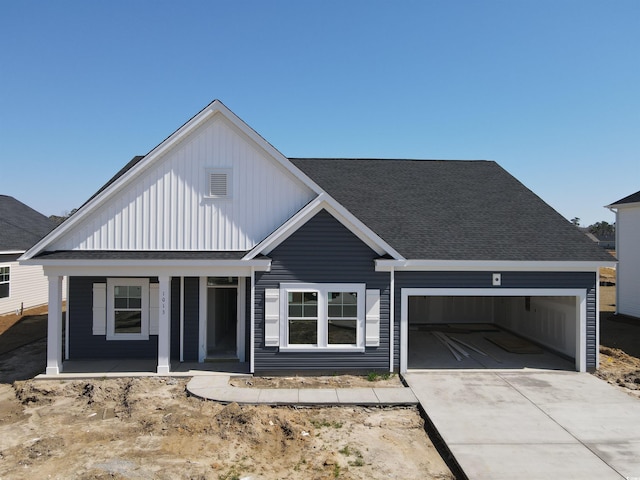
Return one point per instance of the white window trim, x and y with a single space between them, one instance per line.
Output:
323 290
207 186
7 282
137 282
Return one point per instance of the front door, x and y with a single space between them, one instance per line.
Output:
222 318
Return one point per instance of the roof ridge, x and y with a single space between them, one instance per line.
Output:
391 159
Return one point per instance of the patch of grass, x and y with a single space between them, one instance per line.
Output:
232 474
302 461
375 376
372 376
336 470
348 451
325 423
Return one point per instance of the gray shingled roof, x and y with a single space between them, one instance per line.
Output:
633 198
21 226
451 210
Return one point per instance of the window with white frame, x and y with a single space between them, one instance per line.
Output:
4 282
127 309
328 316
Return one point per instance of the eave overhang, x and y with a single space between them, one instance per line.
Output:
386 265
150 267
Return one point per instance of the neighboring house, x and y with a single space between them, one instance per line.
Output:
214 244
605 241
627 212
21 227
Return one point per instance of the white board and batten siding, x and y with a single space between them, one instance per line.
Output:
28 288
167 206
628 252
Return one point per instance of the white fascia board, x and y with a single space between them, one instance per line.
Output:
383 265
324 202
172 268
623 206
11 252
215 107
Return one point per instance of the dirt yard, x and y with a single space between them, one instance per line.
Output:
149 428
619 344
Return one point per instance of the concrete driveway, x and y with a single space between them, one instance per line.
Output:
533 425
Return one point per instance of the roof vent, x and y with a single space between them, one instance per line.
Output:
218 183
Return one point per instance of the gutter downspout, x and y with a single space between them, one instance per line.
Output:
615 210
252 327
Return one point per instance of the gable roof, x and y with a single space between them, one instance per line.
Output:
451 210
327 203
21 226
633 198
406 209
139 164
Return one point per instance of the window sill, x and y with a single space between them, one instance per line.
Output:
322 349
127 336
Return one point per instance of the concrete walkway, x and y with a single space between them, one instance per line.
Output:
533 425
217 388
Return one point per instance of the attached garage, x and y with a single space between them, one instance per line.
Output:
555 325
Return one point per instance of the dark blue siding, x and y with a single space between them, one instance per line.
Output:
247 310
191 322
532 280
175 318
322 251
82 343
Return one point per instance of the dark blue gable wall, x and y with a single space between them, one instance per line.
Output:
531 280
322 251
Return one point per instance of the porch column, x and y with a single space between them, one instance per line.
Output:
164 326
54 326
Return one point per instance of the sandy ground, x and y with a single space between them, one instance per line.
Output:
619 345
150 428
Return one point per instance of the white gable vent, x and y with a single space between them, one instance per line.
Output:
218 183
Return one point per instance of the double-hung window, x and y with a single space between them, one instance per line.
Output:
127 309
322 316
4 282
303 317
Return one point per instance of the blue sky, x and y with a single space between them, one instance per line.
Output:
549 89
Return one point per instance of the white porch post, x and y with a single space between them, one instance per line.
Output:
164 325
54 326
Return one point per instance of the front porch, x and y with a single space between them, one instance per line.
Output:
136 367
176 318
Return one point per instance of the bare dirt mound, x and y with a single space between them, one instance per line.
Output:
150 428
620 369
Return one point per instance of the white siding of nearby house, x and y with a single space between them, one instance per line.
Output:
166 207
28 288
628 253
